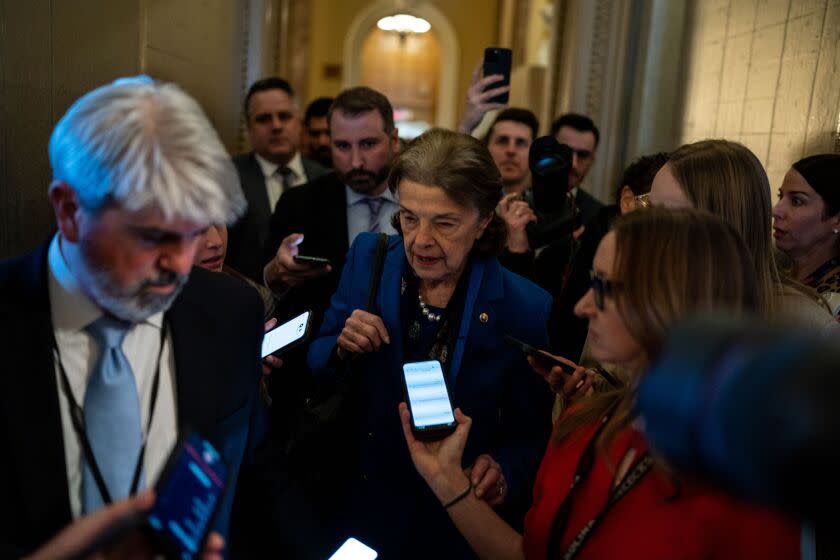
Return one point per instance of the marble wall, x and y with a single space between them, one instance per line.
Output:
765 73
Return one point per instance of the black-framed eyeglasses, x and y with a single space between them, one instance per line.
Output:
601 287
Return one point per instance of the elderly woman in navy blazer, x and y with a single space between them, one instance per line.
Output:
443 295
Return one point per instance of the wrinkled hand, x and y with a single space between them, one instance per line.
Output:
363 332
489 481
517 214
439 462
477 103
283 272
570 387
114 520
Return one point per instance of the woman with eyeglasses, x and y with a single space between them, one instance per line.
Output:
727 179
600 491
806 223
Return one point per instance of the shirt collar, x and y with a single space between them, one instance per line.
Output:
295 165
72 309
353 197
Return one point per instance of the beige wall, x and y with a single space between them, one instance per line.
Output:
765 73
53 51
475 23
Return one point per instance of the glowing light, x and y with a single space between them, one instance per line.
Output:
404 23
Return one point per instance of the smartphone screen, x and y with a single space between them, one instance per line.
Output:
428 397
498 61
353 549
286 334
187 495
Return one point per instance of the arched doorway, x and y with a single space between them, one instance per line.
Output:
447 82
406 68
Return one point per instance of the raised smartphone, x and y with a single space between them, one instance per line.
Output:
428 400
498 61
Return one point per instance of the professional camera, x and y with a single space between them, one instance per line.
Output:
557 216
751 407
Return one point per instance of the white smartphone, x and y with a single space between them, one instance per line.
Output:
428 399
353 549
287 335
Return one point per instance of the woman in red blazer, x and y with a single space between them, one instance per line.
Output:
601 492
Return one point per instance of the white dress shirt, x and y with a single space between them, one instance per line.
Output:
273 180
358 213
71 312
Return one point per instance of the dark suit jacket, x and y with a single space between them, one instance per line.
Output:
247 238
490 381
216 329
318 210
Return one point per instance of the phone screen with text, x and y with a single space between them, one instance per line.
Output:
427 394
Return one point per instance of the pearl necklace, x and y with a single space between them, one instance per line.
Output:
433 317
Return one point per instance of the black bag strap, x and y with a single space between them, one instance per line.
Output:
378 263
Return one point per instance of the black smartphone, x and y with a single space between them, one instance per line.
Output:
306 259
542 358
428 400
287 336
188 492
498 61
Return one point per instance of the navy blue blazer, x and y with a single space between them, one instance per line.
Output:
216 329
490 381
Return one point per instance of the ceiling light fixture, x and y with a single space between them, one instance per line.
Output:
404 23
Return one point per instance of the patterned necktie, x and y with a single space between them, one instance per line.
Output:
112 416
375 206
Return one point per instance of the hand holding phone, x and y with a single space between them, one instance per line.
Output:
306 259
498 61
428 400
541 357
188 492
286 336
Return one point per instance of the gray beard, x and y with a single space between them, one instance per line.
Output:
133 306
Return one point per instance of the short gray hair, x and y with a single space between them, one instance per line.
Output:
141 143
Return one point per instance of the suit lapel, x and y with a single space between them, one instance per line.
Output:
258 194
34 413
388 302
334 209
473 287
189 325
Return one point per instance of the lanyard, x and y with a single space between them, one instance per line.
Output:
584 468
78 420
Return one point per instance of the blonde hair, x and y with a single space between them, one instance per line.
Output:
690 249
727 179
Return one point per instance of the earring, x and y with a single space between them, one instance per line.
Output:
836 231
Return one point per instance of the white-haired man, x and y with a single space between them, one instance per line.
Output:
112 342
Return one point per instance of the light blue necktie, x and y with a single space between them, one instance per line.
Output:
374 204
112 416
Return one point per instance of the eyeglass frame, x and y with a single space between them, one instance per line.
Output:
601 287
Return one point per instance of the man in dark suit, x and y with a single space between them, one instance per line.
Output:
274 166
580 134
108 322
321 219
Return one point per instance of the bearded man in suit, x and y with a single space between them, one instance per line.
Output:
112 342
